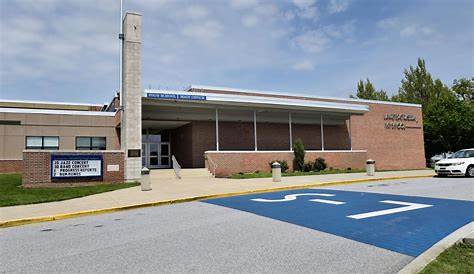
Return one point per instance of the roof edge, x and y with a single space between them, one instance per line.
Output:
266 92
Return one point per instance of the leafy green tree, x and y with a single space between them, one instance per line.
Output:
418 86
448 122
367 91
299 152
464 89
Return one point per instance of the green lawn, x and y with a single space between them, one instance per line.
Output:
295 173
456 259
12 194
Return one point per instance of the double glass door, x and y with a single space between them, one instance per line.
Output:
156 155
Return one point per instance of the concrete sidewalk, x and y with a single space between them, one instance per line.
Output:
168 191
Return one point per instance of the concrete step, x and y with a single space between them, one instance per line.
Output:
185 173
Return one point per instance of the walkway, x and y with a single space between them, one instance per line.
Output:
169 190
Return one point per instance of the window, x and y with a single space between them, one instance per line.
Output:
42 142
90 143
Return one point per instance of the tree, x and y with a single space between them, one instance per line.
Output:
448 123
367 91
464 88
417 84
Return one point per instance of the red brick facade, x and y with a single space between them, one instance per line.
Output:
11 166
392 149
228 163
37 168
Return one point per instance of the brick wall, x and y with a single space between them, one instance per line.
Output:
37 168
11 166
239 136
229 163
390 148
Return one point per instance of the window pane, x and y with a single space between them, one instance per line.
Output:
83 142
33 141
165 161
51 141
164 150
98 142
154 138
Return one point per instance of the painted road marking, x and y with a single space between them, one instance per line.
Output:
292 197
409 232
407 207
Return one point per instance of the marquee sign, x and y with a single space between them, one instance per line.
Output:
70 166
399 120
171 96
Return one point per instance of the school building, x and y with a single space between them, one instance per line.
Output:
225 130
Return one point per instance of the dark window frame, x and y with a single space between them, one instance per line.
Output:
43 147
90 147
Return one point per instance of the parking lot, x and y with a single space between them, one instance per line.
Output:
376 227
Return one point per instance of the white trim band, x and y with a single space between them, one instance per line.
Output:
57 112
292 94
280 151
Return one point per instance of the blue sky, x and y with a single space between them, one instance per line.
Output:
65 50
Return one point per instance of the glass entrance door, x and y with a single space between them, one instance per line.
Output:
153 157
156 155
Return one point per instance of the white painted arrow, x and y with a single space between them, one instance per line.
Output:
406 207
292 197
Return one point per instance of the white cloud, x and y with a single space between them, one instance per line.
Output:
306 9
303 4
249 21
336 6
388 23
204 31
317 40
197 12
243 4
305 65
313 41
408 31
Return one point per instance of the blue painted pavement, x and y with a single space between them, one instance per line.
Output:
409 232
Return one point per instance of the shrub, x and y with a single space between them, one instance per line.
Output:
299 152
307 167
283 164
320 164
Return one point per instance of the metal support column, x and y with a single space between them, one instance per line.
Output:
255 128
350 133
217 129
291 134
322 132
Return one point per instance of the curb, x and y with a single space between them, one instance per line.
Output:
24 221
432 253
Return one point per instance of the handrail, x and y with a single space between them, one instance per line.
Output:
176 167
214 166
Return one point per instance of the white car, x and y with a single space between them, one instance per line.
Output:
461 163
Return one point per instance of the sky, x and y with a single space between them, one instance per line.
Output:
68 50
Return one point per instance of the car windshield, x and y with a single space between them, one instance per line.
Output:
464 154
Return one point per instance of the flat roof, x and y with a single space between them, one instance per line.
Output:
263 92
56 112
253 101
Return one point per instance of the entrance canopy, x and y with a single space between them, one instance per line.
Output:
214 100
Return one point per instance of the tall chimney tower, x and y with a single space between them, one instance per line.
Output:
131 97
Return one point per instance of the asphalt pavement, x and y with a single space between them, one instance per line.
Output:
205 237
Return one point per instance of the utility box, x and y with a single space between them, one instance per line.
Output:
370 167
276 172
145 182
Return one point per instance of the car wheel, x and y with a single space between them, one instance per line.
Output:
470 171
442 175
